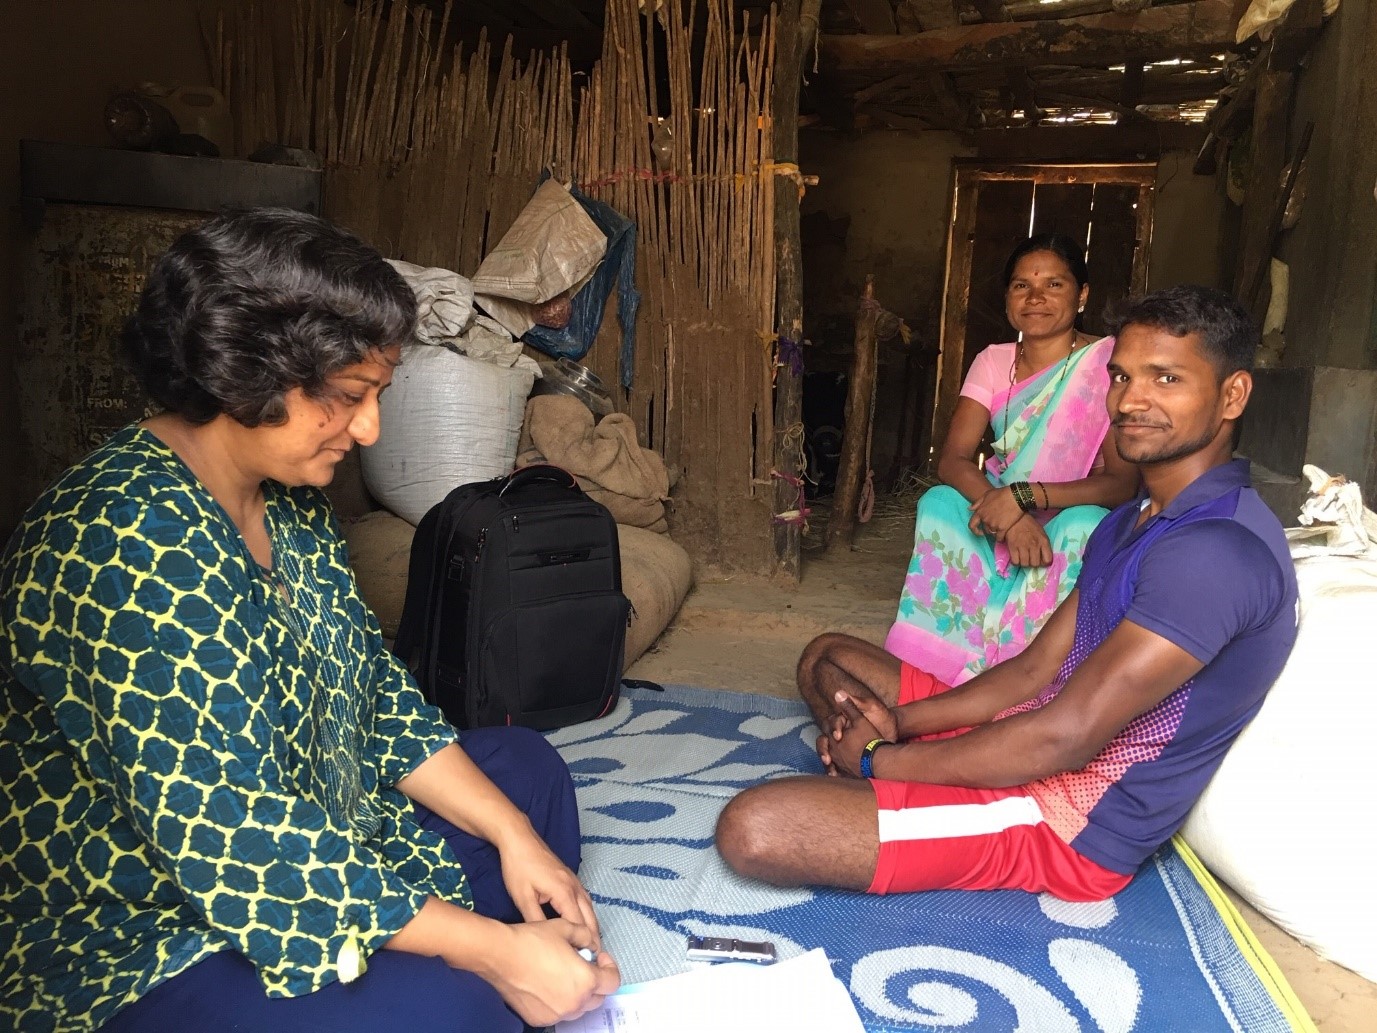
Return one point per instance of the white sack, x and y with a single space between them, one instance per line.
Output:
490 341
446 420
1262 17
444 301
1287 820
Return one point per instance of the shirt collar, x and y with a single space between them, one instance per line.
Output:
1210 485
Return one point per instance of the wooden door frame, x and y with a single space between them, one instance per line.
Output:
967 177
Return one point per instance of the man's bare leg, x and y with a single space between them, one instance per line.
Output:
809 830
834 663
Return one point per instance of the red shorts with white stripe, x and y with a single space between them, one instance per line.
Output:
947 837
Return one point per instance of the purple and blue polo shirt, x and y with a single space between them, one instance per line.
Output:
1212 574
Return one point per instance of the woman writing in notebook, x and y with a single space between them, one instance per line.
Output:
224 805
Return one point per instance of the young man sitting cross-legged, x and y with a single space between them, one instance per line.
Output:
1062 769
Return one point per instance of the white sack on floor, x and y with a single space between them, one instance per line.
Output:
444 301
447 419
1288 820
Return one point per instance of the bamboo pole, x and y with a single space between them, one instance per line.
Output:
859 392
791 46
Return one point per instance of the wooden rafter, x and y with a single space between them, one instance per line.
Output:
929 14
1036 10
956 111
876 16
893 119
1200 27
879 89
1022 95
1131 90
1070 100
991 10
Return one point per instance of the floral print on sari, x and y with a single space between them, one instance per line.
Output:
963 606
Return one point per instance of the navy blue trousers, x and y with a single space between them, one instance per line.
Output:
405 993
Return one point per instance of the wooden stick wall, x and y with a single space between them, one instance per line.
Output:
430 155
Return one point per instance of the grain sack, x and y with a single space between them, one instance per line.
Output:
1287 819
656 576
446 420
379 546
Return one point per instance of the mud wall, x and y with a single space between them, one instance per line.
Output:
881 207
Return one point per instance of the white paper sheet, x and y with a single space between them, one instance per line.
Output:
800 995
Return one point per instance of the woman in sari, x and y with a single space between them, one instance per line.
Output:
997 550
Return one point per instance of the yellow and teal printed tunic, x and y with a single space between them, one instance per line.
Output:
196 755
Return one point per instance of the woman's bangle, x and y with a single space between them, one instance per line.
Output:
1046 499
1023 495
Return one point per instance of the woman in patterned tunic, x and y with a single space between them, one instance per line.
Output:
223 803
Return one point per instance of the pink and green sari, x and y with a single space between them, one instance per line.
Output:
964 607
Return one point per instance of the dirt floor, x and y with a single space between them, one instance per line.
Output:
744 636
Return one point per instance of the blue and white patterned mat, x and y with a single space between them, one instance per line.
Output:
651 779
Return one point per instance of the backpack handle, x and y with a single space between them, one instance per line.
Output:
538 472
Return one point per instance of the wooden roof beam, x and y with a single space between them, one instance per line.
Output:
1035 10
890 85
1021 95
958 113
1202 26
892 119
875 16
991 10
1071 100
929 14
1131 92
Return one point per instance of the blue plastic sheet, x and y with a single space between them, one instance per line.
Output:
618 266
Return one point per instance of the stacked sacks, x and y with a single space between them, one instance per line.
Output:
453 413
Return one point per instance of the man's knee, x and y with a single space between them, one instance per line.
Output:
741 835
817 652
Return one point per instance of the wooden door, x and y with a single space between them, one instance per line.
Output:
1109 207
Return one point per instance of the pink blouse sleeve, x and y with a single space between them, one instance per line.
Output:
989 373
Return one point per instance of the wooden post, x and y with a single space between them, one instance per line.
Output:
798 22
1267 161
859 392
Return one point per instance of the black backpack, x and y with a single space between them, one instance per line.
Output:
514 610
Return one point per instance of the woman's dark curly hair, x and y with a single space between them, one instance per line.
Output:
251 304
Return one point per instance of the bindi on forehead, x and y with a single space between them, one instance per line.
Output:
1041 264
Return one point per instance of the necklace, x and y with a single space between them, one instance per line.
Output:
1013 373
